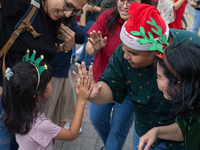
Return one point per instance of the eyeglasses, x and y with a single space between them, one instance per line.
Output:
70 7
121 3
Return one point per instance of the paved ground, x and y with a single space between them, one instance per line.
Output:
88 139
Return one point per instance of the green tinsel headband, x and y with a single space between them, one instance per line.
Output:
156 44
35 63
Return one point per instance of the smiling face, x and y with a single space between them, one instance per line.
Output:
123 9
162 82
54 8
138 59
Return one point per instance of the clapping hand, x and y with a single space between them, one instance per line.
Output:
68 37
83 89
82 72
90 8
97 41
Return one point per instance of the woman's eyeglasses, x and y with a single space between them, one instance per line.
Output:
121 3
70 7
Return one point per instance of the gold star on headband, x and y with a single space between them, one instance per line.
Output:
35 62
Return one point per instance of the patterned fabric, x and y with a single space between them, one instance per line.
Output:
191 132
151 108
166 9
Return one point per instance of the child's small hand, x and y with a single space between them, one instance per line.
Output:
83 89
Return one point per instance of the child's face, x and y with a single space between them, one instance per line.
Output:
162 82
138 59
48 90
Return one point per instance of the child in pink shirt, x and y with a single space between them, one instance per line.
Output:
26 85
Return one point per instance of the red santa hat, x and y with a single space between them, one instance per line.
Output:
148 17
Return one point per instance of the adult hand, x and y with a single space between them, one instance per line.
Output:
85 8
97 9
90 8
149 138
97 41
82 72
69 37
194 4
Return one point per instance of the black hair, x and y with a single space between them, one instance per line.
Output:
115 15
184 58
19 96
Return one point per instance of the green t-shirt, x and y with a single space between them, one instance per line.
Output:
190 131
182 35
151 108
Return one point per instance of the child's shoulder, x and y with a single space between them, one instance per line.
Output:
44 126
43 123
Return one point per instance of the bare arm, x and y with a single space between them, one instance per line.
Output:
178 4
82 21
72 133
194 4
83 90
97 8
104 96
90 50
170 132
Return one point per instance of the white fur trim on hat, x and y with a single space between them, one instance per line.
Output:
131 41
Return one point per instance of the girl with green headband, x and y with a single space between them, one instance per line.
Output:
26 85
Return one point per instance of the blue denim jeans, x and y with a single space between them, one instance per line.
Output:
136 138
74 53
84 56
7 141
113 132
196 21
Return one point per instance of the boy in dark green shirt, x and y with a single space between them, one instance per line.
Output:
130 72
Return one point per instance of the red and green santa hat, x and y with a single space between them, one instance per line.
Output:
145 30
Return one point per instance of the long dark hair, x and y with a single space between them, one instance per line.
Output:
115 15
184 57
19 98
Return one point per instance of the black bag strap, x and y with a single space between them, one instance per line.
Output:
21 26
35 3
